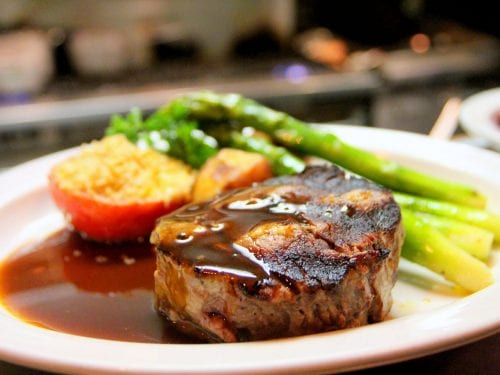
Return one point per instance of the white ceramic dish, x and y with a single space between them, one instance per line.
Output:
477 116
428 315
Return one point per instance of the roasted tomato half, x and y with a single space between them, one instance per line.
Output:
113 191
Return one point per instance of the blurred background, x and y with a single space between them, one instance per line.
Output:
67 65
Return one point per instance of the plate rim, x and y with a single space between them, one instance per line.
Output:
313 359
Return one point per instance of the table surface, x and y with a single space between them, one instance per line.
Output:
480 357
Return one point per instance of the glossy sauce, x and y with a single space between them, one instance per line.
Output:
207 234
71 285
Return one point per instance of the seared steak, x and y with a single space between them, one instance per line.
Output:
294 255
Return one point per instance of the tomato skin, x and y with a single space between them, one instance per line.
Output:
109 222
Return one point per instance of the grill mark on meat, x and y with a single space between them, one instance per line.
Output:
211 245
296 254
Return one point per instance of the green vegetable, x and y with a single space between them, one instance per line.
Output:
436 233
169 133
300 137
428 247
282 161
476 241
130 125
480 218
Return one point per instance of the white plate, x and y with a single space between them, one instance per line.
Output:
476 116
428 315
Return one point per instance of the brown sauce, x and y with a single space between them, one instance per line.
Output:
68 284
71 285
207 234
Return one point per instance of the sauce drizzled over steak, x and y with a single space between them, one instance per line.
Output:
294 255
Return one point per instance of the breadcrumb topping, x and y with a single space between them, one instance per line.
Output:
117 171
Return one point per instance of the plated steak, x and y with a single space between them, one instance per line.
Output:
301 254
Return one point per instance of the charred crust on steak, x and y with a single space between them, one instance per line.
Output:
280 250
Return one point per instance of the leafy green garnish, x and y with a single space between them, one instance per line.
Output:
169 132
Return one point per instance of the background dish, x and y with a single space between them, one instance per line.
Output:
428 314
477 116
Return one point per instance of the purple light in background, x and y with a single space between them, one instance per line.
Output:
294 73
10 99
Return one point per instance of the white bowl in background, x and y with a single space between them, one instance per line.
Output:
477 116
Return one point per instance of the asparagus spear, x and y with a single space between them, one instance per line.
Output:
476 241
298 136
480 218
282 161
428 247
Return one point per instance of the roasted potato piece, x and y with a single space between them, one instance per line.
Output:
230 169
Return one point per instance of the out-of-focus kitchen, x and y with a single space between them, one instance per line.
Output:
67 66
